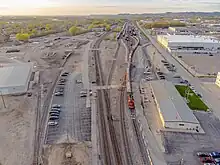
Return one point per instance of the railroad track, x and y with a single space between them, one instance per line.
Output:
110 145
141 144
109 79
123 128
135 123
40 125
36 133
122 111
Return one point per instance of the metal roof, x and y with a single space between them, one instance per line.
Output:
190 38
171 104
16 75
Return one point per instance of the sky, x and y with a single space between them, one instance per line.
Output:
85 7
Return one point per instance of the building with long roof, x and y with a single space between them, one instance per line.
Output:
172 108
189 44
14 79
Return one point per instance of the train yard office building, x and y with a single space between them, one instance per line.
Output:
173 110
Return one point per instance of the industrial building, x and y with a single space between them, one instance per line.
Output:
217 82
173 110
189 44
14 79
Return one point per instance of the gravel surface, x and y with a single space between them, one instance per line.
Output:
56 154
17 130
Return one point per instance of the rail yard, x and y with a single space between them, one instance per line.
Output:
125 94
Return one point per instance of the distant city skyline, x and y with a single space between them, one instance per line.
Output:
85 7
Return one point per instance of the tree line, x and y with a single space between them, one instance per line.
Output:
164 24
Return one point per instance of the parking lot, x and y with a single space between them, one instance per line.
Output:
185 146
74 123
204 64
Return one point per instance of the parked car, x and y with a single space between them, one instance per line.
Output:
58 93
199 95
56 106
59 90
53 118
176 76
29 94
217 160
160 73
52 123
206 160
61 83
83 95
203 154
64 74
147 73
57 109
78 81
163 61
62 80
215 155
54 112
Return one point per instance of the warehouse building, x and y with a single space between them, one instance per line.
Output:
189 44
14 79
174 112
217 82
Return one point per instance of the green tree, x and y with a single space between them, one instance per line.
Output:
34 31
90 26
108 27
22 36
48 27
73 30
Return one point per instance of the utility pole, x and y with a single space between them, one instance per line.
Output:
3 100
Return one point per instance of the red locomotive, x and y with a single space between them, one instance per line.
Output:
131 103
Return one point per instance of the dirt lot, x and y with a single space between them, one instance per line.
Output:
204 64
47 52
184 145
17 124
55 154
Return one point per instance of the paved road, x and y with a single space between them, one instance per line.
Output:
75 120
212 102
85 67
141 60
